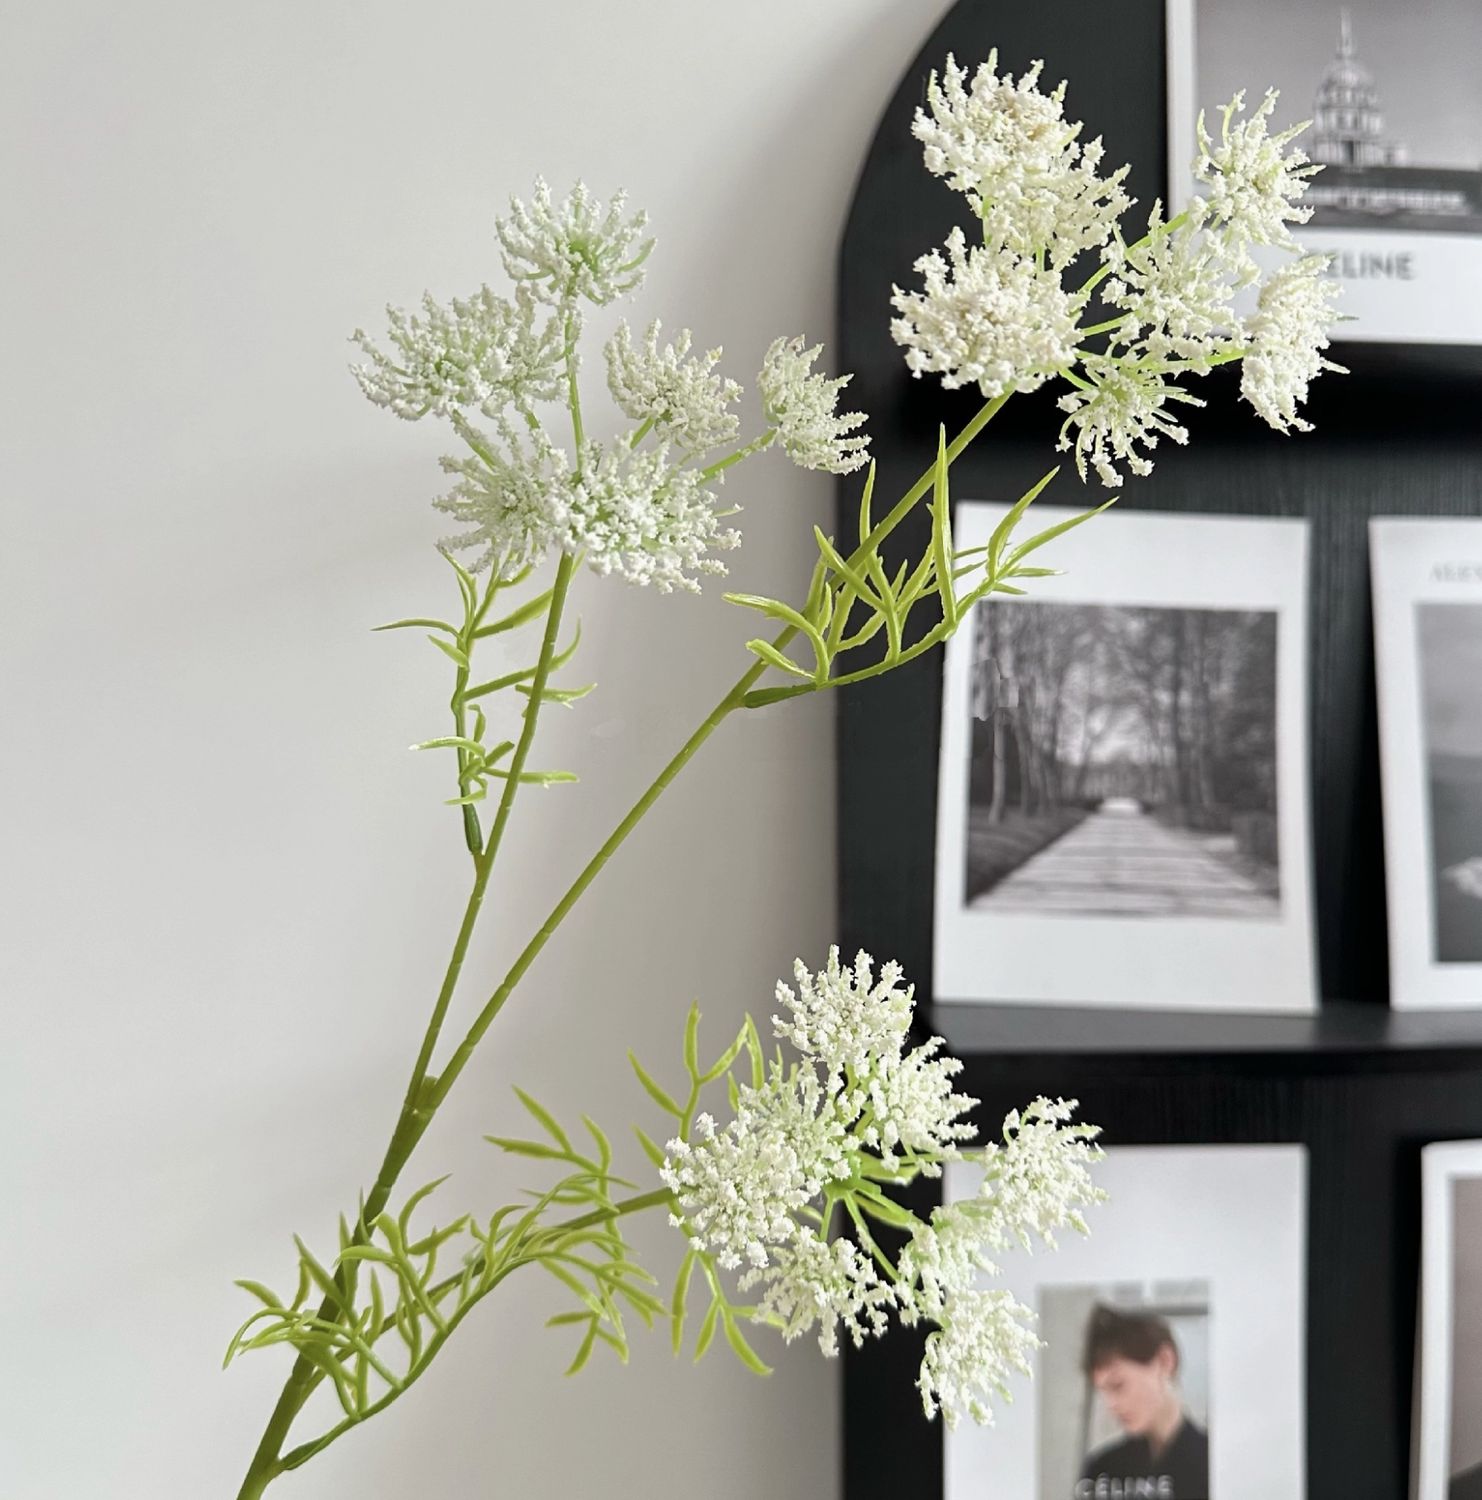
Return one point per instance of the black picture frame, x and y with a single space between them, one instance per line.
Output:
1361 1087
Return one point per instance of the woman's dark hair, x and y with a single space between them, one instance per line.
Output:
1113 1334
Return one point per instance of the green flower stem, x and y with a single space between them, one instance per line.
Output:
418 1106
755 446
425 1094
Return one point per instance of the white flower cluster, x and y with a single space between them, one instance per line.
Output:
802 406
575 248
999 316
637 515
481 353
861 1111
676 392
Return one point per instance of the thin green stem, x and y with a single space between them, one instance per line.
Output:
755 446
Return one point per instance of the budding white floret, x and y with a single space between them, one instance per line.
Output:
987 318
1038 1176
845 1018
574 248
679 393
479 353
984 1339
1124 410
808 1283
801 404
1251 185
1007 145
1286 336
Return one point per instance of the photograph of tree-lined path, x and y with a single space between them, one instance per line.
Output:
1123 761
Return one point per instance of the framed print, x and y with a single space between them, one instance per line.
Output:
1122 811
1396 116
1173 1355
1448 1425
1428 654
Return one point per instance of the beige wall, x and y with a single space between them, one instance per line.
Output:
225 885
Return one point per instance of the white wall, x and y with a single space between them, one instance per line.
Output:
225 887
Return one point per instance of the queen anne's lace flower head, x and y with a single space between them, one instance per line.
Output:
802 405
984 1339
481 353
1123 411
1251 184
1010 149
845 1019
1038 1179
943 1256
807 1282
1286 336
987 318
678 392
575 248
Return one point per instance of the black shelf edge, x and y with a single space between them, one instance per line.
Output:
1341 1031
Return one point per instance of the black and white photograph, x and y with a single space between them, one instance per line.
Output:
1123 761
1428 648
1448 1419
1123 774
1125 1398
1396 125
1172 1357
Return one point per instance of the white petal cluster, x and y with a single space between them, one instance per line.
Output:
481 353
637 515
984 1339
808 1283
1251 184
1123 408
1038 1177
801 405
845 1018
987 317
862 1111
679 393
739 1188
1285 338
575 248
1175 288
1008 146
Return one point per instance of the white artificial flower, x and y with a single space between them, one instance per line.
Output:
1251 184
987 317
644 518
1123 410
1010 149
807 1282
1038 1179
943 1256
845 1018
984 1338
913 1109
633 514
1175 289
739 1188
481 353
802 405
575 248
1285 338
507 496
680 394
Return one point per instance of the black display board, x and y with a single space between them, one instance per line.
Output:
1362 1088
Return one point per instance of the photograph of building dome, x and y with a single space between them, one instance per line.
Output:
1391 91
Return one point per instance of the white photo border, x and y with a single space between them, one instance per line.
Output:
1384 312
1403 554
1234 1216
1175 963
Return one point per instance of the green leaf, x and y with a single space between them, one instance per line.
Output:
754 1047
707 1331
692 1041
1005 528
321 1278
726 1058
866 526
680 1298
515 618
850 574
418 624
941 533
538 1149
545 1119
584 1353
1050 533
452 652
742 1350
650 1150
652 1089
265 1295
497 684
420 1196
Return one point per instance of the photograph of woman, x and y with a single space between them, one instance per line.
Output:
1132 1363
